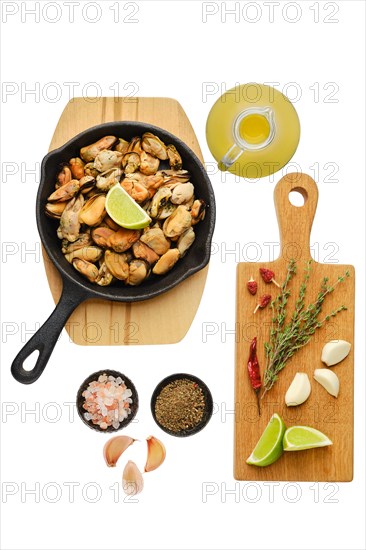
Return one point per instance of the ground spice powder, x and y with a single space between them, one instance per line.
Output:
180 405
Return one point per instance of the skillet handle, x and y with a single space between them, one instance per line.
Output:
44 340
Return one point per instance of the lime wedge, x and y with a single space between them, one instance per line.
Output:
269 447
124 210
299 438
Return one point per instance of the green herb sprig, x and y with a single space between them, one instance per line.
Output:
286 338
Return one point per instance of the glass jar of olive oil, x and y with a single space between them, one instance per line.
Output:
252 130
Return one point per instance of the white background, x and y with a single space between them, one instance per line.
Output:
171 51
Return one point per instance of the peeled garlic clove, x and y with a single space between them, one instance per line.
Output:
115 447
155 453
335 351
299 390
328 379
132 482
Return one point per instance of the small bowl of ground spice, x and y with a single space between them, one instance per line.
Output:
107 401
181 405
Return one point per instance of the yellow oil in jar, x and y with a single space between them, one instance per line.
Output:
252 130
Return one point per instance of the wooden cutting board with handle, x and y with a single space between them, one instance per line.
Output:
155 321
333 416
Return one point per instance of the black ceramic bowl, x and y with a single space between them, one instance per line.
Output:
76 288
208 403
80 400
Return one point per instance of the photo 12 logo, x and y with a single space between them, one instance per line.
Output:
247 412
91 492
13 413
319 92
252 251
270 492
220 331
53 92
71 12
89 333
324 173
20 172
270 12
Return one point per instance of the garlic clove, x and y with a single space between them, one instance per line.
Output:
328 379
299 390
132 482
155 453
115 447
335 351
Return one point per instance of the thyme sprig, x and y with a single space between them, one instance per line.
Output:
286 338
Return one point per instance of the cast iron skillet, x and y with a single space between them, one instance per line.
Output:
76 288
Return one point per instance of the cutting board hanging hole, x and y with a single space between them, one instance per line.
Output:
298 197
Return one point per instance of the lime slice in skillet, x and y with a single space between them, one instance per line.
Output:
124 210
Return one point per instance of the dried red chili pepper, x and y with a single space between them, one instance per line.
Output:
254 371
252 286
268 276
263 302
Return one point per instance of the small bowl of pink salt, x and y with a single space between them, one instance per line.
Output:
107 401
